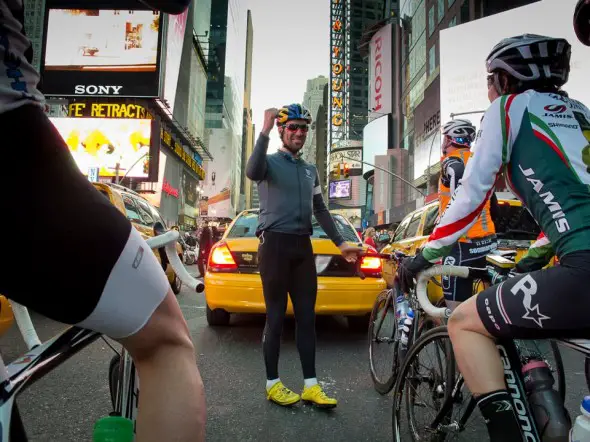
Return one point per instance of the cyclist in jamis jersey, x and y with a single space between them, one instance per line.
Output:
536 135
103 274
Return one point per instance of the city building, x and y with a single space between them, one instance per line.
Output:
224 118
313 98
148 132
416 114
248 131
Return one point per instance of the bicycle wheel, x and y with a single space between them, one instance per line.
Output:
383 344
548 350
424 390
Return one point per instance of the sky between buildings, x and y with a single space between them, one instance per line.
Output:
291 45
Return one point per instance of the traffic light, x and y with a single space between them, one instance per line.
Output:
146 165
346 170
336 170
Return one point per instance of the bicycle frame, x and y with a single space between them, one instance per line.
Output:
33 365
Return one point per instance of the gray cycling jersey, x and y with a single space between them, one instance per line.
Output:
18 79
289 191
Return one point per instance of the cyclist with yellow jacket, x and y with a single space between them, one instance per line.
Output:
480 239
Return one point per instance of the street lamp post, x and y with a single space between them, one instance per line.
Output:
387 172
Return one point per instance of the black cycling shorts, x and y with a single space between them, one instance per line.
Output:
550 303
471 254
67 252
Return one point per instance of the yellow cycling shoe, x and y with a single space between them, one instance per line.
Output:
281 395
316 396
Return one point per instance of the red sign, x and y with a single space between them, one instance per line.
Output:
168 189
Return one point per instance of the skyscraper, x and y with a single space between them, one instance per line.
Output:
225 106
247 138
313 98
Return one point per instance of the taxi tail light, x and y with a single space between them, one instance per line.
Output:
221 259
371 265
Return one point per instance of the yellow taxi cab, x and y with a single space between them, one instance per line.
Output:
515 230
233 285
143 217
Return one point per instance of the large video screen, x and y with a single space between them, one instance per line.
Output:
104 52
340 189
103 142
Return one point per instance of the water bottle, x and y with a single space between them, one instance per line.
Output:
551 417
581 429
402 308
405 334
113 429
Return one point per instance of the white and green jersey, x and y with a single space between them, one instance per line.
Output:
542 143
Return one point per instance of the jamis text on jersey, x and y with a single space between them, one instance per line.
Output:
548 199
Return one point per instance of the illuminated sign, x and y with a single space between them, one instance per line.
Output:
114 146
185 157
108 110
110 52
168 189
337 73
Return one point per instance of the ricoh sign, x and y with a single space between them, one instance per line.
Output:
380 73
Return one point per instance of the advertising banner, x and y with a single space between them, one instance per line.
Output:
465 89
174 41
217 184
116 146
340 189
106 52
380 73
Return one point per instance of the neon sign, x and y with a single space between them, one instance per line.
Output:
338 71
168 189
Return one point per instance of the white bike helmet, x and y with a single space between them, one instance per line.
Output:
532 58
459 129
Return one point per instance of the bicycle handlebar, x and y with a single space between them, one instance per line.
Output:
168 241
440 270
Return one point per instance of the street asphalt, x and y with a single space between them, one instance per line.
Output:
64 405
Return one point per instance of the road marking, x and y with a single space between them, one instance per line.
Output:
196 307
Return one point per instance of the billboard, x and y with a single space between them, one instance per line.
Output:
340 189
338 71
465 89
101 52
217 183
122 146
376 140
174 42
380 73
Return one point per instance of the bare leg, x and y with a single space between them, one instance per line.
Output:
172 397
476 353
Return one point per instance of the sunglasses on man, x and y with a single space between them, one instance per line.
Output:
295 127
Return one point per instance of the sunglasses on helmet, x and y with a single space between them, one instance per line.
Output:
295 127
462 141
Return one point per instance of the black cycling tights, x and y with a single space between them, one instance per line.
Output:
287 265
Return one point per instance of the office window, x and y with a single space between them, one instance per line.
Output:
453 22
430 21
432 59
451 2
465 11
441 10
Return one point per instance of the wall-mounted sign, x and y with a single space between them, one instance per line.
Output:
108 110
380 73
168 189
106 52
185 157
338 97
350 156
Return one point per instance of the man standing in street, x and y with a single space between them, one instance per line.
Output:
290 193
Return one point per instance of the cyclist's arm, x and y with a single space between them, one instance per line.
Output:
256 168
537 257
453 169
491 151
322 214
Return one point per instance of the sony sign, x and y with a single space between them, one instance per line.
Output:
91 89
380 73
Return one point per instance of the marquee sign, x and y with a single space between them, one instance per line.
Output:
338 96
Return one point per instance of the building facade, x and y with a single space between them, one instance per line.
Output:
224 118
248 130
313 98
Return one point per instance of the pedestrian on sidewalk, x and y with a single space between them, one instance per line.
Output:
290 193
